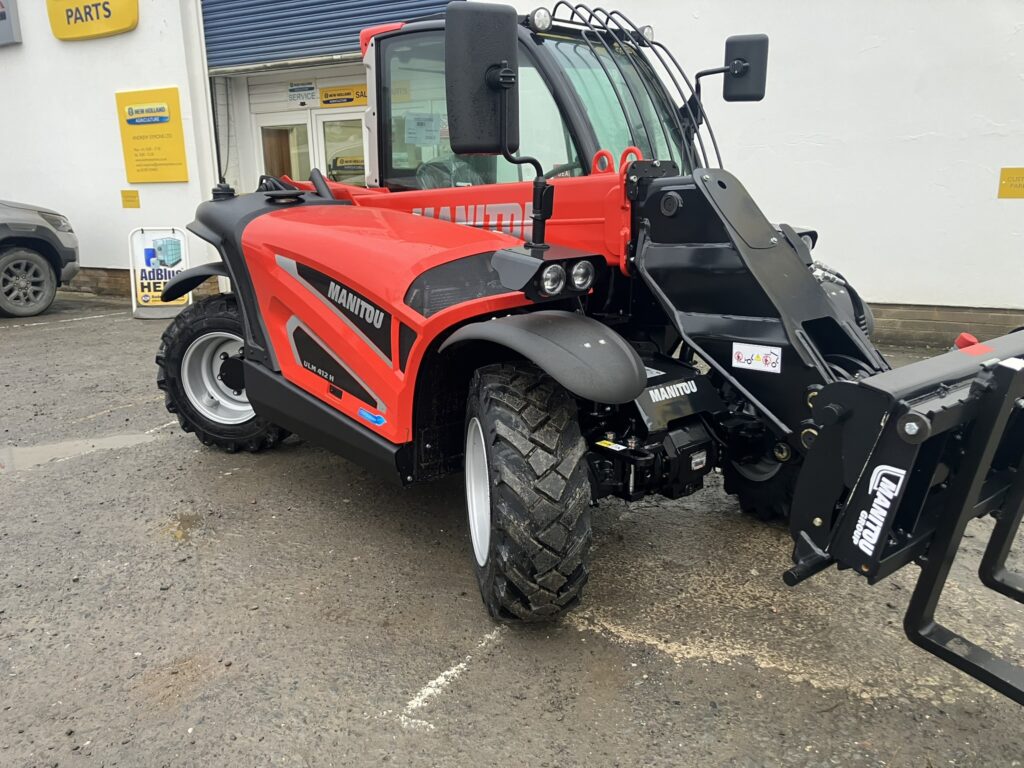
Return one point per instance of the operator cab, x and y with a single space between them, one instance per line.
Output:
580 91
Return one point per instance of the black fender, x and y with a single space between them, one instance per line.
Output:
191 279
583 355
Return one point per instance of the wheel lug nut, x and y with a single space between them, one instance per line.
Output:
223 355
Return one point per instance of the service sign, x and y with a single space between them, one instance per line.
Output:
10 30
82 20
158 254
152 136
343 96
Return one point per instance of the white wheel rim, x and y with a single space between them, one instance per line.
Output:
200 371
478 491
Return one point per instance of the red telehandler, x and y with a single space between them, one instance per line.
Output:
612 315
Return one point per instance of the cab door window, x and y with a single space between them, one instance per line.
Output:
416 152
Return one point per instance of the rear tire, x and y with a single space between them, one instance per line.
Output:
28 283
192 349
527 493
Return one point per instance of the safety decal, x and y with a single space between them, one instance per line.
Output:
610 444
652 372
757 357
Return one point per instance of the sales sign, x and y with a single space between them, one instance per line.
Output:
152 137
82 20
343 96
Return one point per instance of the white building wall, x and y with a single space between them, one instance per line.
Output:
60 143
884 126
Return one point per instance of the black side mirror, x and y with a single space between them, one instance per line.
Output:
746 67
480 41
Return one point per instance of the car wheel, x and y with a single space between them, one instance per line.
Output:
28 283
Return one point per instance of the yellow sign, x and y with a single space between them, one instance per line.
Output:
1011 183
151 135
129 198
82 20
343 96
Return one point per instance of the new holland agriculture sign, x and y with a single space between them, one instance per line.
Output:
81 20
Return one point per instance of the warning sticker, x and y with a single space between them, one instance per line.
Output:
652 372
757 357
610 444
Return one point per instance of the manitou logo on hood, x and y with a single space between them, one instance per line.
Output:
885 484
357 306
510 218
360 314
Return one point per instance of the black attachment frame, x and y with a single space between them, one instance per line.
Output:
965 496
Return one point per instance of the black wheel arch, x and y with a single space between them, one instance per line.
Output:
609 372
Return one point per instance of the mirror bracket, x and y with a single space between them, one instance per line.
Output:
504 78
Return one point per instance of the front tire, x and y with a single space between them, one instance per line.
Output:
200 373
527 493
28 283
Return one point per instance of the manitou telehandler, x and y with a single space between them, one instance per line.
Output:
610 316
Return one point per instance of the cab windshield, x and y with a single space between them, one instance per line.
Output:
624 101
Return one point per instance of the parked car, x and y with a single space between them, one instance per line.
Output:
38 253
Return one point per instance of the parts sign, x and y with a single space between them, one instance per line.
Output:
82 20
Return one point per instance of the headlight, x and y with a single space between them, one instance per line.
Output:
540 20
552 279
808 241
582 275
58 222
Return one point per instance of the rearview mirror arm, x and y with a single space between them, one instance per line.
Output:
504 77
737 68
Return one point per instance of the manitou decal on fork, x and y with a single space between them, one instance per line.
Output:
885 483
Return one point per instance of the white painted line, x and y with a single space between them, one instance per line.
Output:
96 415
440 683
162 426
66 320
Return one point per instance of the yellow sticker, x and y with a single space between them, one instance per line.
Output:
343 96
85 19
130 198
610 444
1011 183
152 138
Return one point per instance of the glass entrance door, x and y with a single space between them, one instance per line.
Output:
283 147
339 142
292 143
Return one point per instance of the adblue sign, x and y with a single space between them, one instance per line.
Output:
82 20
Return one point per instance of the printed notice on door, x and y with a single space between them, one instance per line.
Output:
152 136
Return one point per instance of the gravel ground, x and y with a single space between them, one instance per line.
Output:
165 604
